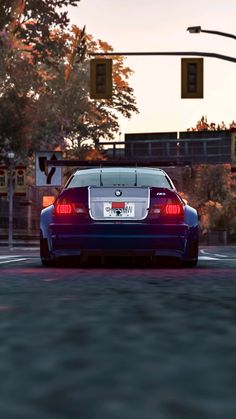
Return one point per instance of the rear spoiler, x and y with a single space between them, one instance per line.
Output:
113 163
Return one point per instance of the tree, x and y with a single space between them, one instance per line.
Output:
29 25
29 52
212 189
84 119
44 66
203 125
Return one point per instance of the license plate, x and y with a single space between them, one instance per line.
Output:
118 209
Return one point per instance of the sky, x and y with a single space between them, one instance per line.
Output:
161 25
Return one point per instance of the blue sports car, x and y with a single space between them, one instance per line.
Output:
119 211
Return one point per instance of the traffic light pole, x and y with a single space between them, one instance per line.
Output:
198 29
164 53
228 35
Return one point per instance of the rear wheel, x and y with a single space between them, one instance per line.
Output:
192 254
45 256
190 263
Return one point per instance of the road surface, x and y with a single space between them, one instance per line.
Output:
118 341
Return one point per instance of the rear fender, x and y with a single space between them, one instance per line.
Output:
45 220
190 216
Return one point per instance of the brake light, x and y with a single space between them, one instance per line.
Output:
63 209
173 209
170 209
67 208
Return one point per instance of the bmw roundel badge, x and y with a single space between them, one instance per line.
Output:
118 192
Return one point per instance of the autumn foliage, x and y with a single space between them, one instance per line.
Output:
44 75
212 190
204 125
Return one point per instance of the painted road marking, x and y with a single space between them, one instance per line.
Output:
12 260
215 254
204 255
207 258
10 256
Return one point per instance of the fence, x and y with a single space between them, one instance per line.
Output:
26 213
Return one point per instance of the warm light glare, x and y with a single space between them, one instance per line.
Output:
48 200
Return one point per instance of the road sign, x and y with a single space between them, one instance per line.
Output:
47 176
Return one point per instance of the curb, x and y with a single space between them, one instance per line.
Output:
23 251
19 243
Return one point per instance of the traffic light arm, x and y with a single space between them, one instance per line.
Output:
163 53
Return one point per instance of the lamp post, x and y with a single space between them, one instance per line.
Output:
198 29
10 156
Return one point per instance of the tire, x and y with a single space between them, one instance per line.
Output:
192 254
45 254
190 263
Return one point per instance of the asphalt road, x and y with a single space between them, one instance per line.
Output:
118 341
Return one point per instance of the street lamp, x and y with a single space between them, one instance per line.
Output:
11 156
198 29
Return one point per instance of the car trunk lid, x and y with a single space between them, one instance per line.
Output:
114 203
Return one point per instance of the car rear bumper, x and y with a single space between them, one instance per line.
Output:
121 239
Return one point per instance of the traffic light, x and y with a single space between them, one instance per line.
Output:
3 180
192 78
20 180
101 78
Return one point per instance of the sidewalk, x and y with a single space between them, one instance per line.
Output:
19 246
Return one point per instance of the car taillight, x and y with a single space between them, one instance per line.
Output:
63 209
170 209
67 208
155 210
173 209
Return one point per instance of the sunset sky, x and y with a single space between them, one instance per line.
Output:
160 25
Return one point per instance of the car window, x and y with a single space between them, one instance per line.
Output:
153 180
120 178
84 179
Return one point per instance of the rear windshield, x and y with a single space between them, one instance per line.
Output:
121 178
